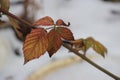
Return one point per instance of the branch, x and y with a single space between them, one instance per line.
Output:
15 17
91 62
65 45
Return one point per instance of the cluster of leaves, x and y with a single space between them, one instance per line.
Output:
85 44
40 39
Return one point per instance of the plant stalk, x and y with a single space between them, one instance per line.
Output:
91 62
65 45
15 17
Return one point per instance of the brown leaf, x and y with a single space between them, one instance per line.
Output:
2 23
35 45
60 22
99 48
65 33
55 41
45 21
5 4
16 27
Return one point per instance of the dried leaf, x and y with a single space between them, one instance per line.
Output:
5 4
35 45
60 22
55 41
85 44
99 48
16 27
45 21
65 33
88 42
2 23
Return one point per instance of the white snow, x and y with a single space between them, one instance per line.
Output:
87 18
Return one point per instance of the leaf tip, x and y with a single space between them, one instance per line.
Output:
60 22
25 61
50 55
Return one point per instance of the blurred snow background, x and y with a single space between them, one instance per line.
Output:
88 18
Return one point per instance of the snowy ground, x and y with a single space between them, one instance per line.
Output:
88 18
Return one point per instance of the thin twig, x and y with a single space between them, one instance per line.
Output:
91 62
15 17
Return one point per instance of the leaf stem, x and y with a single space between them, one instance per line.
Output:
48 28
65 45
91 62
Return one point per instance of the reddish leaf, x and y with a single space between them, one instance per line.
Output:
55 41
45 21
60 22
54 38
35 45
65 33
